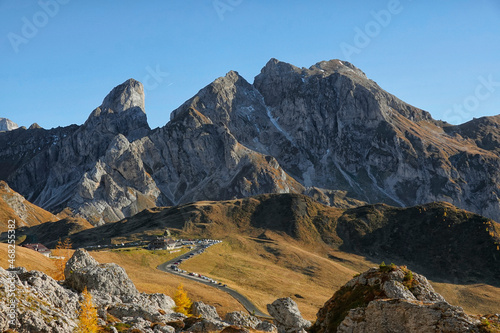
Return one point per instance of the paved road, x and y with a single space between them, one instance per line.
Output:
249 306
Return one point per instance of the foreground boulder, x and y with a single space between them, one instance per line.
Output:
287 316
391 299
83 271
46 305
242 319
202 310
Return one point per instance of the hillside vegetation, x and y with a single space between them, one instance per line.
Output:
14 207
290 245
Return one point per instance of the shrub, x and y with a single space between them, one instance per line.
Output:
384 268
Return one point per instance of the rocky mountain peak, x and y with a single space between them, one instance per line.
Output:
121 112
336 66
275 67
127 95
35 126
7 125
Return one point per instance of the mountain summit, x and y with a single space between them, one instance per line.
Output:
312 130
7 125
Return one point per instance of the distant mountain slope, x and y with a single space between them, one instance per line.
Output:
14 207
7 125
444 242
316 131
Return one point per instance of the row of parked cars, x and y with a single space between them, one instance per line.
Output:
203 244
105 246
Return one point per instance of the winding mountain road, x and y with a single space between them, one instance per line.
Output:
247 304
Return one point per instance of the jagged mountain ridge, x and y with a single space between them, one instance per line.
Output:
327 127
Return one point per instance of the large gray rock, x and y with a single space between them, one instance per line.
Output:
401 316
287 316
242 319
390 301
42 304
200 309
82 271
208 325
144 311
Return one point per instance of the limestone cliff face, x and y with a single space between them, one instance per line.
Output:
87 169
322 131
114 166
350 134
7 125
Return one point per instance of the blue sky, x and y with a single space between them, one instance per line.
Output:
442 56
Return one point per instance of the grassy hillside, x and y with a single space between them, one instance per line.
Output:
290 245
272 266
51 232
13 206
29 259
439 240
140 266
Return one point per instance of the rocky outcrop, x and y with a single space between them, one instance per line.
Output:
399 315
391 299
287 316
242 319
208 325
83 271
7 125
202 310
44 305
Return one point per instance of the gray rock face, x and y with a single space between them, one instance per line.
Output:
390 301
242 319
200 309
44 305
7 125
400 315
287 316
109 279
323 131
208 325
392 285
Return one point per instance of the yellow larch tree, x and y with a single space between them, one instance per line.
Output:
182 301
87 317
62 253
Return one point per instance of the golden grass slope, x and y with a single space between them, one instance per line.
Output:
13 206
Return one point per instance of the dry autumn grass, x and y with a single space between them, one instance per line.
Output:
261 269
267 269
140 266
9 207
